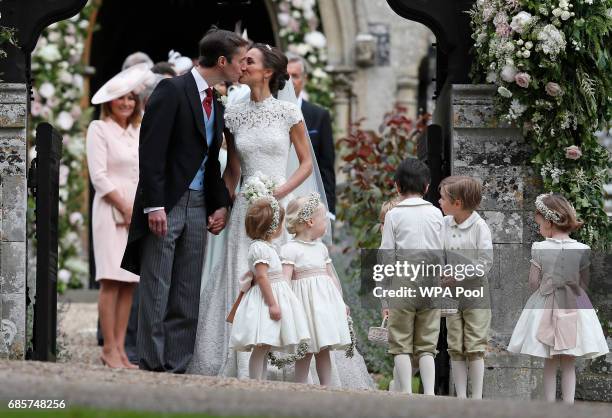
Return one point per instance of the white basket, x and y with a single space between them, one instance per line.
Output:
379 335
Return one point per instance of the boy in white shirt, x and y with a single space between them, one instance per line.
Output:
467 240
414 224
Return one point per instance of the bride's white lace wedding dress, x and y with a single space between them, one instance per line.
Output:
261 135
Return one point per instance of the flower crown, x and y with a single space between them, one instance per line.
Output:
261 187
275 214
305 213
547 213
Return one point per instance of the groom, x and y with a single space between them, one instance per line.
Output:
180 195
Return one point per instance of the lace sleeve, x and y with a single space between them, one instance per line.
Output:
293 114
231 118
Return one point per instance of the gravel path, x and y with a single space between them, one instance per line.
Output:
99 387
80 382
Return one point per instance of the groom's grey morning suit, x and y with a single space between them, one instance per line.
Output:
179 171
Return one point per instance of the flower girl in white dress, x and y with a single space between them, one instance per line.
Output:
306 261
558 322
269 316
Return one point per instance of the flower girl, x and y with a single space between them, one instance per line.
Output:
269 316
306 261
558 322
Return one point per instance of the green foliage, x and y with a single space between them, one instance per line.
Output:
7 36
568 96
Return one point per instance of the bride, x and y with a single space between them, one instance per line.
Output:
262 131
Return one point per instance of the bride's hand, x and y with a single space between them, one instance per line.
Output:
280 192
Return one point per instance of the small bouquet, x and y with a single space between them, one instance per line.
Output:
257 186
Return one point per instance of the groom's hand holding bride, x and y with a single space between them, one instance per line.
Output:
216 221
158 223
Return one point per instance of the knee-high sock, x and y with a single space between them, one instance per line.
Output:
476 378
264 366
427 369
256 362
568 378
323 364
403 373
550 379
460 377
302 367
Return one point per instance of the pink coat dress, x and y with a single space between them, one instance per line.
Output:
112 157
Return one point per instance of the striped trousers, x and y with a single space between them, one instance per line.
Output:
171 272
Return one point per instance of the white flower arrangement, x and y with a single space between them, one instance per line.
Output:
258 186
525 49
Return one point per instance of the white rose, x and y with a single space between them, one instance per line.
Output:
64 276
564 4
519 21
492 77
46 90
83 24
504 92
64 121
78 81
76 218
65 77
50 53
508 73
283 19
63 174
519 42
316 39
526 54
53 36
565 15
528 44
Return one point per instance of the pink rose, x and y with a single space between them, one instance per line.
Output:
522 80
553 89
503 29
573 152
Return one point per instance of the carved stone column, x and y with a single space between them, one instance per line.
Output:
13 204
407 94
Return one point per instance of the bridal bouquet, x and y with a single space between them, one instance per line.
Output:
257 186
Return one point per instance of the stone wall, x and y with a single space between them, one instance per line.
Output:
13 203
498 155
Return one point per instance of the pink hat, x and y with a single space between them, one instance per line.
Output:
123 83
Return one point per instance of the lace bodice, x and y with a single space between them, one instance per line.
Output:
261 134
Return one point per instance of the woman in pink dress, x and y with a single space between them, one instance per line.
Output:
112 157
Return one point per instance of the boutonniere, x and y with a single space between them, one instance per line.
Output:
222 100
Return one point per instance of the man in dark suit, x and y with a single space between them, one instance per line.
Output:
180 195
318 122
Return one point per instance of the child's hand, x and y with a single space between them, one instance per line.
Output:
385 312
348 310
275 312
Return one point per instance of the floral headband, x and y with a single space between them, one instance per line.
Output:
547 213
305 213
275 214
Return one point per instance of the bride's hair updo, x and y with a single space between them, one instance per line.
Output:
275 60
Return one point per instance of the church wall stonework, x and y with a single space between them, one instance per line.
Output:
13 203
392 76
498 155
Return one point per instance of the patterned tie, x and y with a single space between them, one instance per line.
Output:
208 101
